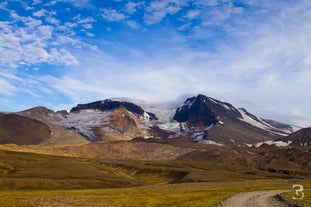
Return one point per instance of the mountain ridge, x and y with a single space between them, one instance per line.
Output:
195 118
200 118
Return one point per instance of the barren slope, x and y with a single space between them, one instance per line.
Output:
108 150
22 130
60 134
300 138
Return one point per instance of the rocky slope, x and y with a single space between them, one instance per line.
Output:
212 121
268 158
106 124
110 105
300 138
60 134
200 119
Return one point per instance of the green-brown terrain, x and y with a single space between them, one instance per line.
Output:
114 153
203 177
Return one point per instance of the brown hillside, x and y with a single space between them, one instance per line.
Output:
22 130
125 124
60 134
282 161
300 138
277 160
107 150
237 134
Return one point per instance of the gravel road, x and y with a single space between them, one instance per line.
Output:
256 199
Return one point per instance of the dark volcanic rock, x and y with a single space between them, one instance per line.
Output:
110 105
206 110
201 115
195 110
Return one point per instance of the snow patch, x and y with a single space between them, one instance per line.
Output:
226 106
213 100
85 121
275 143
202 133
146 116
262 124
211 142
178 134
173 126
187 104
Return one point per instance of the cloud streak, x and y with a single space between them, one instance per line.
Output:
112 15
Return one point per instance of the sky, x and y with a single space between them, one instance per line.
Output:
254 54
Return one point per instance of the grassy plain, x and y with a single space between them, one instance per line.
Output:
185 194
28 179
303 201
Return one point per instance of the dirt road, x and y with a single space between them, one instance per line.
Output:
256 199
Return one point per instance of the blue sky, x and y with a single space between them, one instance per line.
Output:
253 54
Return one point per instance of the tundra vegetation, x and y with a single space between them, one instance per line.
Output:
28 179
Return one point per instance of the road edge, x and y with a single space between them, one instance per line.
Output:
282 199
278 197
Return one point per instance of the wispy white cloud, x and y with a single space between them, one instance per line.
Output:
40 13
13 84
83 20
131 7
6 88
79 90
3 5
36 2
52 20
79 4
297 118
191 14
206 2
30 43
133 24
157 10
112 15
86 24
248 50
21 48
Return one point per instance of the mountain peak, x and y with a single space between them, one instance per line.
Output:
39 110
110 105
209 109
195 110
196 118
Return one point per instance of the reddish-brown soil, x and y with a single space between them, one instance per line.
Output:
22 130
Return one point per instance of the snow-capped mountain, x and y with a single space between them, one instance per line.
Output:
271 126
209 119
200 118
105 119
110 105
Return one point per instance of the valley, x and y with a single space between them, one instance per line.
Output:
122 152
158 103
28 179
